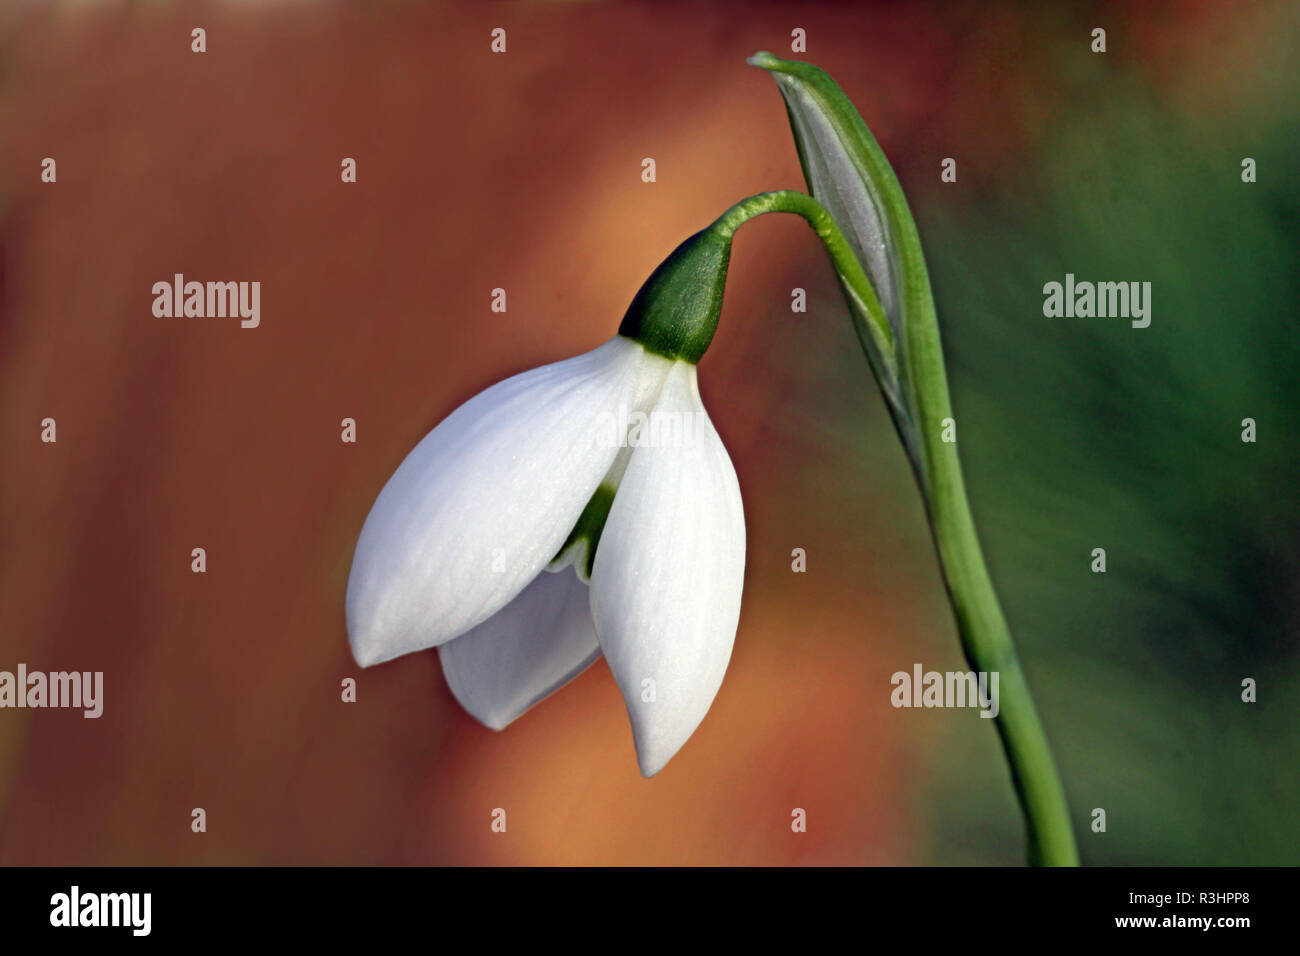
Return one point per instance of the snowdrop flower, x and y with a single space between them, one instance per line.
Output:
581 508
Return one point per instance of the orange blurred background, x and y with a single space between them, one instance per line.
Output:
475 171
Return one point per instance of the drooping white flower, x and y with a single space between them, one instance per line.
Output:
580 508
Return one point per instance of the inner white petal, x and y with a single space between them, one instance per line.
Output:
530 648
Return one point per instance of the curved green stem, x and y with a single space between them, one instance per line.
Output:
828 231
926 409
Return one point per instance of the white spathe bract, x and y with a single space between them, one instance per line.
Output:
849 195
458 543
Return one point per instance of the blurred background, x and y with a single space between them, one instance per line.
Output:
522 171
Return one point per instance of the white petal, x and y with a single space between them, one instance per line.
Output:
486 499
534 645
670 565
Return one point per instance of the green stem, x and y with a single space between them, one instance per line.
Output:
985 637
828 231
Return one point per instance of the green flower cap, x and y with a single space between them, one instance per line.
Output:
676 311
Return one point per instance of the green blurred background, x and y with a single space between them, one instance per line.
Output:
523 171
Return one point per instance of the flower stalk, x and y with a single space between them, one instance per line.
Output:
878 257
874 324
